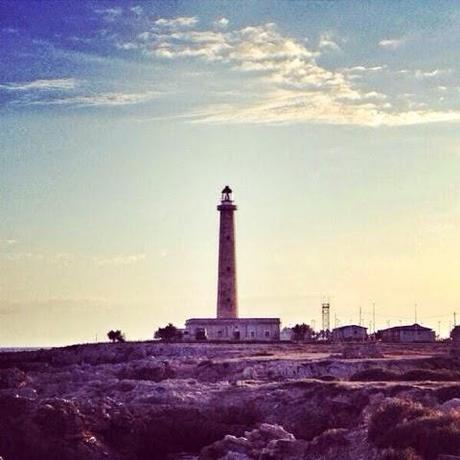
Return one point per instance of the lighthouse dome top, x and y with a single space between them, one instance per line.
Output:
227 193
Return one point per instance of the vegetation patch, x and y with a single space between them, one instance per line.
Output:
402 425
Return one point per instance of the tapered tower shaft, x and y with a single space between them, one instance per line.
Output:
227 300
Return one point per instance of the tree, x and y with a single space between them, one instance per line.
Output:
168 333
302 332
116 336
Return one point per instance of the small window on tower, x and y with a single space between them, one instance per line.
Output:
228 238
229 269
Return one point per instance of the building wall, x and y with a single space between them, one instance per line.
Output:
408 336
246 329
349 334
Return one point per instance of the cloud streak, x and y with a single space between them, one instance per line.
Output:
112 99
56 84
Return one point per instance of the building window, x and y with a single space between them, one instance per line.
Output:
253 334
219 333
267 333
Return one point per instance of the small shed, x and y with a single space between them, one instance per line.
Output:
351 333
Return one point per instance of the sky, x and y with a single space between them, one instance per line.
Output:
335 123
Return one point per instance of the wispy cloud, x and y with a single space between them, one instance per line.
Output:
111 99
327 42
177 22
293 86
68 259
137 9
119 260
391 43
221 22
8 242
288 83
109 14
42 84
421 74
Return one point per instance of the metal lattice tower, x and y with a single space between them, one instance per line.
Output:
325 309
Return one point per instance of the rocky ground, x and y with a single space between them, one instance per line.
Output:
147 400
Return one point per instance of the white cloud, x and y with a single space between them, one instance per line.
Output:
391 43
127 46
42 84
137 9
177 22
222 22
110 14
326 42
362 69
293 87
421 74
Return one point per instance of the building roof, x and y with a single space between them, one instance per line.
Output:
232 320
347 326
411 327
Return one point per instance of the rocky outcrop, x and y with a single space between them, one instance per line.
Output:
161 401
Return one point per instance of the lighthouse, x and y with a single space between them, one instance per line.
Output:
227 300
227 326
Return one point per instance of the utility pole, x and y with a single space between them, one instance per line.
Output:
373 316
415 311
439 329
455 318
360 316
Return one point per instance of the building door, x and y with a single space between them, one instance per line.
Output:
236 335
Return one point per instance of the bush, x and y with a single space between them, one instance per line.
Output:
116 336
168 333
302 332
406 425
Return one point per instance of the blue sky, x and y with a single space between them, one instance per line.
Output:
336 123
